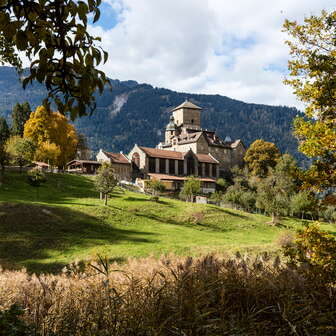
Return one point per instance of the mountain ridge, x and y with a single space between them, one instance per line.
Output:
138 113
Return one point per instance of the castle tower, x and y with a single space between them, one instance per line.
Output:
187 115
170 130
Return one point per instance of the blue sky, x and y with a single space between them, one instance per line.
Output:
233 48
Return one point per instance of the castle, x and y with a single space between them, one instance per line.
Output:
187 150
184 132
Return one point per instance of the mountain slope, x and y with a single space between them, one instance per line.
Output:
137 113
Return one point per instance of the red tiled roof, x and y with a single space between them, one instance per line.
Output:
206 158
178 178
161 153
167 154
117 157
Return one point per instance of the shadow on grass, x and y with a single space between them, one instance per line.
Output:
213 209
198 226
56 267
30 234
134 199
58 188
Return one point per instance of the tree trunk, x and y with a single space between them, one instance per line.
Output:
274 219
105 203
101 196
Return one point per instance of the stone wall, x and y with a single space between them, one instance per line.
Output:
187 117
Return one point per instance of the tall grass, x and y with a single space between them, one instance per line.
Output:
173 296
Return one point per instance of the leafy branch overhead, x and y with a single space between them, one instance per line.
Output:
313 79
64 56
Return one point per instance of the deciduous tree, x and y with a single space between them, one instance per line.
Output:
191 187
275 191
20 150
53 35
313 79
83 151
49 153
105 180
156 187
261 156
303 202
45 126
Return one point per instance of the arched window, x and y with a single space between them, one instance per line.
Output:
136 159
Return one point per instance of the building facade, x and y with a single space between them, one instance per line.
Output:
120 163
173 167
83 166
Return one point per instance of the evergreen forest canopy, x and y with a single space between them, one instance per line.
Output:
138 113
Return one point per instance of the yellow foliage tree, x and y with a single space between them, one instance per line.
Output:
45 128
261 156
48 152
312 77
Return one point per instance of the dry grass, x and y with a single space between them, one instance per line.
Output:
175 296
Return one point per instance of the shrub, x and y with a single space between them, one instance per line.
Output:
286 239
196 217
156 187
314 254
11 323
154 198
328 213
35 177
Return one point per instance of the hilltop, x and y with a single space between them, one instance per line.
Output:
68 222
137 113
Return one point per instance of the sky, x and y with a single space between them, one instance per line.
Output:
233 48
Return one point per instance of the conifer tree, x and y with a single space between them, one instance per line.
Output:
4 135
20 115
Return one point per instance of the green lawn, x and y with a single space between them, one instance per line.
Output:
68 222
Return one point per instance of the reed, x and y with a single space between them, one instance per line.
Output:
173 296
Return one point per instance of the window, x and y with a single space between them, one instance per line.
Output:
151 165
136 159
190 166
162 166
206 173
192 121
171 166
180 167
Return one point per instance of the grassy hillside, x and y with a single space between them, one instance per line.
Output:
68 222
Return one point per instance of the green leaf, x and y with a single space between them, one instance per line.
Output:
97 16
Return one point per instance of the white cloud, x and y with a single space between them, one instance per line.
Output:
233 48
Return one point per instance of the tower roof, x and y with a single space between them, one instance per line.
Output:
171 125
187 104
